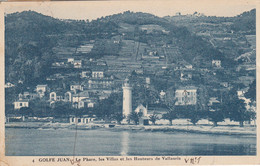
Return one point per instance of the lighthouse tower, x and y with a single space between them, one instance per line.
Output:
127 98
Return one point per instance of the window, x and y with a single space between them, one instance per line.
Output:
21 104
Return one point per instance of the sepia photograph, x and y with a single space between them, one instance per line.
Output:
144 79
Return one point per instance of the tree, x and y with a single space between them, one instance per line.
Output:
234 107
108 107
195 116
170 115
236 110
251 93
26 111
153 118
63 109
250 115
216 116
118 117
134 116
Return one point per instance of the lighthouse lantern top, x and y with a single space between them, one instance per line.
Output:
126 83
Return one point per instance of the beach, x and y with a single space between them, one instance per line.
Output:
203 129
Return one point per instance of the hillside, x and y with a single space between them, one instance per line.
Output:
227 34
35 41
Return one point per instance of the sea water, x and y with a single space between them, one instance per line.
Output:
105 142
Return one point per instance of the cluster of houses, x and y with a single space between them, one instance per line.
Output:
94 86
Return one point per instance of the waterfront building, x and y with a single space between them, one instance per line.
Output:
142 109
21 103
81 120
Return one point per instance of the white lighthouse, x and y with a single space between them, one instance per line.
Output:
127 98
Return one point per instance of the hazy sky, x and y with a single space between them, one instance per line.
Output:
95 9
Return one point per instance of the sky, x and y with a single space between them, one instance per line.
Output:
95 9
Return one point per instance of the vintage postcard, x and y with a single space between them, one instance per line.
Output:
129 82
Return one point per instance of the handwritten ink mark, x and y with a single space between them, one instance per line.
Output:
192 160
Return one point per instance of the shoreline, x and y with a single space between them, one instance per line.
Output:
198 129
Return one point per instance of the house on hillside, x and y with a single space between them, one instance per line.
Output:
28 95
104 83
84 103
80 96
98 73
216 63
9 85
185 75
68 96
85 74
75 87
77 63
186 95
41 90
56 96
70 60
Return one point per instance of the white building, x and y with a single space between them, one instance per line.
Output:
85 74
241 95
97 74
84 103
77 63
81 120
68 96
186 96
70 60
141 108
162 94
21 103
127 98
76 87
80 96
9 85
55 96
216 63
41 89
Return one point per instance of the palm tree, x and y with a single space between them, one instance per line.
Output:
134 116
153 118
118 117
170 115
